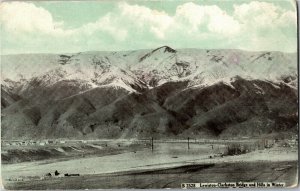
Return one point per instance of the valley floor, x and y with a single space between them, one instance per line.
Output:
167 166
173 177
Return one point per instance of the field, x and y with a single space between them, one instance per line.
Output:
136 165
173 177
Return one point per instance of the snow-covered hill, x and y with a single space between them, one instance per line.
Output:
161 65
162 91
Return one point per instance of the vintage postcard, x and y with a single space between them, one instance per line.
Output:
149 94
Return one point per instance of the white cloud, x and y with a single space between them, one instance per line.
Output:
212 17
158 22
19 17
288 18
265 26
263 15
107 25
130 20
266 11
254 26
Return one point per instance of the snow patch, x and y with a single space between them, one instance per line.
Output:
260 90
120 84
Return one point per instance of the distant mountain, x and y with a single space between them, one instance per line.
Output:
136 94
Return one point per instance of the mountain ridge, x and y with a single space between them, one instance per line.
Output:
116 94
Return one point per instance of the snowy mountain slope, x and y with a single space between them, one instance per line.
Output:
161 64
26 66
162 92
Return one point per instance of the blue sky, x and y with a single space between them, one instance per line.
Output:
66 26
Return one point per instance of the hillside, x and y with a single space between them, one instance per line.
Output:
163 92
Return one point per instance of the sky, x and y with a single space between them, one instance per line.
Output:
78 26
